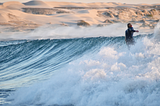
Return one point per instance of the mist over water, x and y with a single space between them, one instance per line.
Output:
66 32
76 66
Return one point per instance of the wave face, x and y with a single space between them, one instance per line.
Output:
93 71
29 60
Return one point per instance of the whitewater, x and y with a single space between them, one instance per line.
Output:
79 66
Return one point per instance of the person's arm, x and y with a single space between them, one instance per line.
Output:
131 29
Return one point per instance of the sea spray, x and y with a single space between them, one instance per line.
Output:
157 32
66 32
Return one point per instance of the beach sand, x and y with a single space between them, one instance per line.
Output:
30 15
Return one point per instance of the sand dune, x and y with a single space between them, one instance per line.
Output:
2 18
70 4
35 13
37 3
13 5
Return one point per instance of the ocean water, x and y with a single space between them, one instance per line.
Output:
76 66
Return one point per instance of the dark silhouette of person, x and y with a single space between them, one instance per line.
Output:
129 34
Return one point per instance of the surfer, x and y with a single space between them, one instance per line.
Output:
129 34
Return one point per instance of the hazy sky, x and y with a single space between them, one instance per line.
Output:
120 1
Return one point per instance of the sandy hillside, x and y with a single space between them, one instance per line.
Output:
29 15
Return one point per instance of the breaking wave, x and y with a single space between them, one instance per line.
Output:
82 70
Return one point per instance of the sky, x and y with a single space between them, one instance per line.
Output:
87 1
